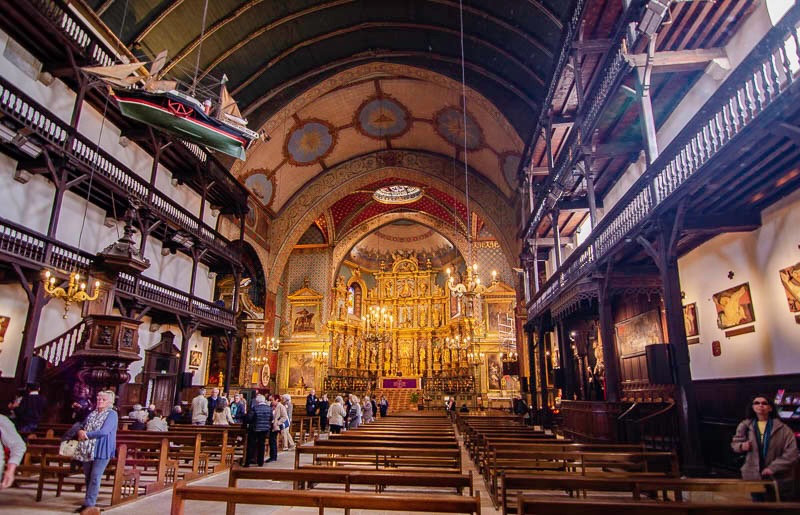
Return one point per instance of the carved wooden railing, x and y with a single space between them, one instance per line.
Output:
95 51
85 154
602 89
76 30
154 292
763 78
60 348
36 251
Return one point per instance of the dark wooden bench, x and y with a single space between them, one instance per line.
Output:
379 458
407 503
514 485
535 505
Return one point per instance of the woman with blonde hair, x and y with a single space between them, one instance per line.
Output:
98 444
285 402
336 415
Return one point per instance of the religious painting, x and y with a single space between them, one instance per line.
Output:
790 278
734 306
690 320
301 370
499 314
4 321
494 370
637 332
218 362
304 319
195 359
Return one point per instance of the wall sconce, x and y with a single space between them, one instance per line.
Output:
175 182
214 213
212 275
154 327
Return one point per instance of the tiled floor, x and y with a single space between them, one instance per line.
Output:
21 501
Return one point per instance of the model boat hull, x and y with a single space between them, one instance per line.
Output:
183 119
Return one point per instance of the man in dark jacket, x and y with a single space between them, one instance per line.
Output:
212 405
259 425
30 410
311 403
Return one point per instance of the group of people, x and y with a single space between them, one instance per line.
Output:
346 412
217 410
268 418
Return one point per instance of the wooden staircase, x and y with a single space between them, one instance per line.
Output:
399 398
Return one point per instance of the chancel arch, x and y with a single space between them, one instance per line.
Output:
324 191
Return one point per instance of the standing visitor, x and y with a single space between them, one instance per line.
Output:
324 406
259 423
336 415
30 410
769 444
383 406
97 445
311 403
200 408
238 409
222 413
287 430
16 450
354 415
212 405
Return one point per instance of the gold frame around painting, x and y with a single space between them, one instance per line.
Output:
790 279
195 359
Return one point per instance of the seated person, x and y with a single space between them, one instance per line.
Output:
156 422
138 416
463 409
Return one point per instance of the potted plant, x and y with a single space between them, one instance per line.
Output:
413 400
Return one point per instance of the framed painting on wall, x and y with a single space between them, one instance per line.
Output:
690 319
734 306
301 370
790 278
4 321
195 359
494 370
637 332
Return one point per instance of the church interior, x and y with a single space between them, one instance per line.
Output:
563 218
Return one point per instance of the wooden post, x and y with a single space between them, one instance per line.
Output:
231 339
556 237
648 124
567 361
666 259
36 303
610 358
542 363
531 361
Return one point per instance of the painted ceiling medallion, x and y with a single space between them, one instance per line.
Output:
397 194
261 186
309 142
449 123
381 117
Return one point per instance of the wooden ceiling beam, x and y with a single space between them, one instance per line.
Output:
577 204
611 150
734 221
678 60
379 25
592 46
388 54
153 24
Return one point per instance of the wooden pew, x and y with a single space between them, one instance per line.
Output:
515 484
535 505
317 499
444 460
662 464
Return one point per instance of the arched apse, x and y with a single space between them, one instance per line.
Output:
349 240
322 192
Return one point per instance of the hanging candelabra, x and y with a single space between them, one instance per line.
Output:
75 291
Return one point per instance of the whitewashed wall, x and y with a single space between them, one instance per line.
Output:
29 205
755 258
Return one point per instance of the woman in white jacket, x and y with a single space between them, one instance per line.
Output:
336 415
286 428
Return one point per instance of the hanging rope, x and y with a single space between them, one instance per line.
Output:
91 173
200 47
464 129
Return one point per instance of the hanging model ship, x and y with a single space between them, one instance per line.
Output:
158 103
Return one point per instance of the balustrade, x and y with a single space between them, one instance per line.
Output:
753 88
46 125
